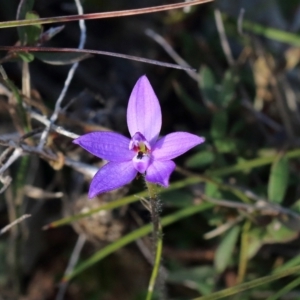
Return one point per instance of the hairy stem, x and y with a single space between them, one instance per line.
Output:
154 210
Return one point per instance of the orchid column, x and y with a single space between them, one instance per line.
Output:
144 153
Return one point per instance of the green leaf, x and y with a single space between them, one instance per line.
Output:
278 180
225 145
227 88
199 278
207 83
191 104
61 58
33 32
223 96
24 7
200 159
237 127
273 233
255 241
219 124
225 250
212 190
278 233
27 57
291 221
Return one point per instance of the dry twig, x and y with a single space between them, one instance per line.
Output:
17 221
68 80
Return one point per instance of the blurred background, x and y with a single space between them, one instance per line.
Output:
241 94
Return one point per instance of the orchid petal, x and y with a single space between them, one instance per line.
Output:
159 172
106 145
175 144
112 176
143 112
141 163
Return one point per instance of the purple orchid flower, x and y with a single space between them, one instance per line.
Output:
144 153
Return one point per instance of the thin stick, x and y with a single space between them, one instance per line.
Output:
6 181
97 52
72 263
68 79
20 149
222 228
17 221
240 21
56 128
176 57
223 37
15 155
104 15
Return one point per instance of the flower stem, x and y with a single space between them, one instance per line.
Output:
154 210
156 238
156 267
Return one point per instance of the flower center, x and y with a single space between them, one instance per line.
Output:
139 144
142 147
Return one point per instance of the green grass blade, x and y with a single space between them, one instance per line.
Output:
249 285
251 164
255 163
285 289
19 108
293 262
272 33
165 221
